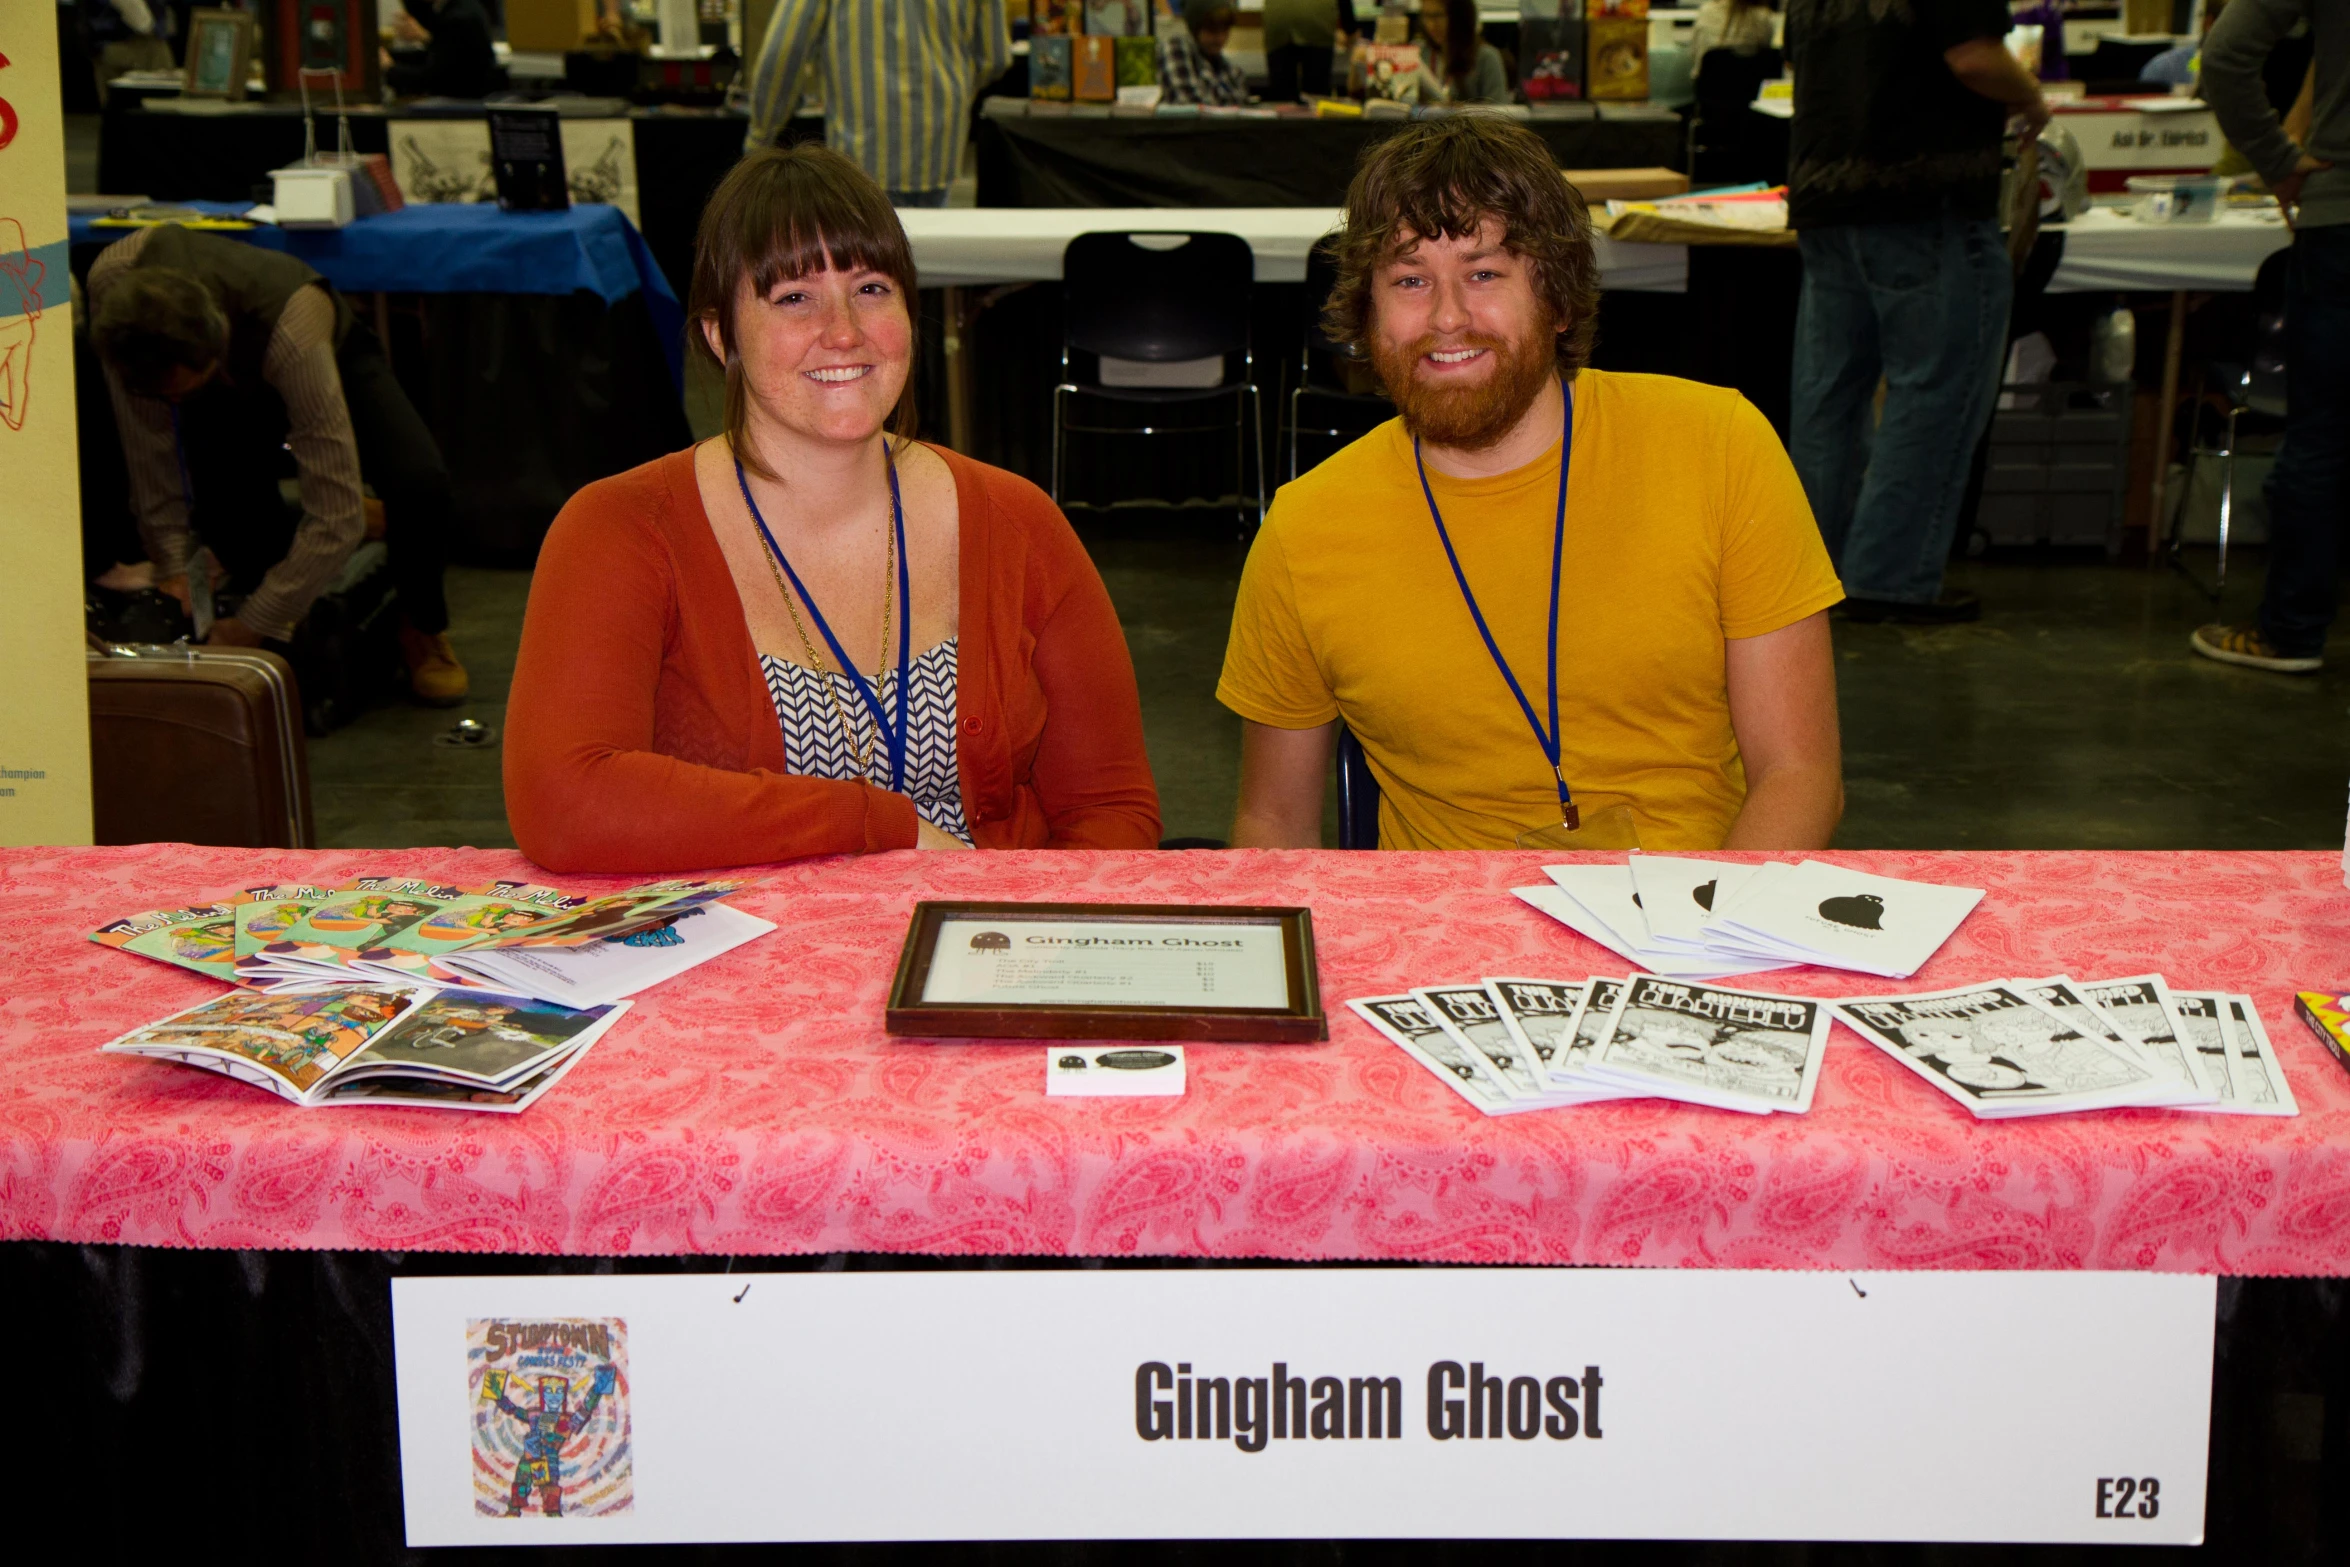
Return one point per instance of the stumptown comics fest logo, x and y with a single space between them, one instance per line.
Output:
550 1416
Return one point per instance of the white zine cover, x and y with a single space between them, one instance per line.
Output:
1406 1023
2202 1030
1678 896
1469 1014
1587 1028
2256 1082
1822 913
618 966
1999 1053
1125 963
1540 1015
1732 1049
1561 905
2140 1006
2058 993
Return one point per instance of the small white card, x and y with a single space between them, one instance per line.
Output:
1113 1072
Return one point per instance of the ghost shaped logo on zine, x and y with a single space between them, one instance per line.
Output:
1860 911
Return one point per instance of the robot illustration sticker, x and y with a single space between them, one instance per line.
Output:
550 1417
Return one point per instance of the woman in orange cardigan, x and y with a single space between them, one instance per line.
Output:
715 662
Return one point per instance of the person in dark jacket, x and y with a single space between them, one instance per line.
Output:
458 59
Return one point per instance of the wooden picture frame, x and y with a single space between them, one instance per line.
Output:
326 35
1300 1021
220 54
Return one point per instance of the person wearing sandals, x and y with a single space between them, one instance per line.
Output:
814 634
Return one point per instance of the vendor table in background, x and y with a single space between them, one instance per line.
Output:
1229 161
223 155
2105 248
963 248
549 345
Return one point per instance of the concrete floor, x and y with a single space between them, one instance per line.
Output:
2073 716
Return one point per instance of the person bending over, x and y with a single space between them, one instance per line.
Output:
221 356
1411 586
814 634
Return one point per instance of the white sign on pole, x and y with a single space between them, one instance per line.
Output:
1305 1403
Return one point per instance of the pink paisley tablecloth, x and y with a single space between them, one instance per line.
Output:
755 1106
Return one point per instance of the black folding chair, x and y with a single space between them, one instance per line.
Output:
2254 387
1339 414
1145 307
1358 795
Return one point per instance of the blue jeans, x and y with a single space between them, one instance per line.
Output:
2306 489
917 198
1925 306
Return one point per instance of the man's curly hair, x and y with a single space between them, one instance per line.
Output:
1442 178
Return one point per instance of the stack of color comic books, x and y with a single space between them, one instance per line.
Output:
2001 1048
400 990
570 948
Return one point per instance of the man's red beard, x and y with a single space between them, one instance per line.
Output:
1466 417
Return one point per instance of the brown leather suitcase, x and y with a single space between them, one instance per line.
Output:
197 745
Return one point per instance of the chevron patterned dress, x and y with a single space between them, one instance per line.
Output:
814 747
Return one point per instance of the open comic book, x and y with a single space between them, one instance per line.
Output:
380 1044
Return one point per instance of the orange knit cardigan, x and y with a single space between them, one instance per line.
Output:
641 736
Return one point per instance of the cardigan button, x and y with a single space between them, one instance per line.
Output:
974 726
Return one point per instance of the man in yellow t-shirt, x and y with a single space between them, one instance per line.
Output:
1694 681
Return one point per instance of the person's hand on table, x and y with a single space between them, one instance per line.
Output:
929 837
228 631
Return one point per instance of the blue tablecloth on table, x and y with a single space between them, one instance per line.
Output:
472 248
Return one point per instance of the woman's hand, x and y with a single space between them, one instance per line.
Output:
929 837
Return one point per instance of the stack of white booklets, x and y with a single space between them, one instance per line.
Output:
1507 1045
2003 1048
1709 919
2019 1047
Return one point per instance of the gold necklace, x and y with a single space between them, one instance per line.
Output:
889 572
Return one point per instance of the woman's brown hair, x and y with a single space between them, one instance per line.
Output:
785 213
1441 179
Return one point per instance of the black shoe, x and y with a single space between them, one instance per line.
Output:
1954 607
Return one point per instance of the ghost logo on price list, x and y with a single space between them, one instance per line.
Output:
991 941
2125 1497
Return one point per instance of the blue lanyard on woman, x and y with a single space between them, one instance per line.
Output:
1548 738
895 734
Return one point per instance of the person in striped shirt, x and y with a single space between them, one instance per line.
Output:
899 79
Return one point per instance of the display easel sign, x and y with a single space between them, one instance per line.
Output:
1240 974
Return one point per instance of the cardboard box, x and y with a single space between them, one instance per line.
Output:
1617 65
1599 8
549 26
1604 185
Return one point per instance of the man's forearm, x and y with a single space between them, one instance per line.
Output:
1790 808
1985 67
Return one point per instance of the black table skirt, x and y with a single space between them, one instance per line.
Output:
246 1398
1130 161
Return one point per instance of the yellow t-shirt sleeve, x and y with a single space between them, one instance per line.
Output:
1775 569
1270 673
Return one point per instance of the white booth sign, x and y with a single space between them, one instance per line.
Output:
1305 1403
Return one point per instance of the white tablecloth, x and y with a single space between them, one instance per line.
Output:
2105 248
966 246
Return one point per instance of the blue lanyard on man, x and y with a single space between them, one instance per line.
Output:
1548 738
